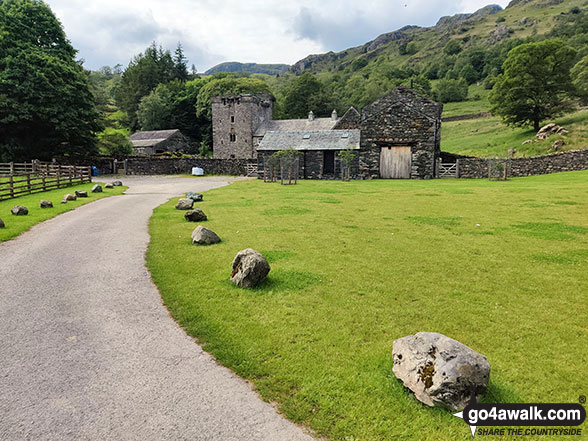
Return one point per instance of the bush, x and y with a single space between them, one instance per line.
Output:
115 142
500 20
452 47
449 90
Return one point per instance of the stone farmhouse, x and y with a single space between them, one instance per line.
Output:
397 136
159 141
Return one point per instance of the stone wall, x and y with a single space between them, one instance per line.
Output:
172 166
401 118
535 165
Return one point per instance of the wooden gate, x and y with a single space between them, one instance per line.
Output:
395 162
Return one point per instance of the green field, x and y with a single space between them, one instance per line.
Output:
499 266
16 225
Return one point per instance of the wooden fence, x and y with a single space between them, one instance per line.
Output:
45 177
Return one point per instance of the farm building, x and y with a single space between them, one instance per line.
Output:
397 136
159 141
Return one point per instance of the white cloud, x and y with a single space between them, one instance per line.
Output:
262 31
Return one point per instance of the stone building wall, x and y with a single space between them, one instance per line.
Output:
234 121
534 165
311 165
401 118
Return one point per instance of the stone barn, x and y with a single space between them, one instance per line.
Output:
396 137
159 141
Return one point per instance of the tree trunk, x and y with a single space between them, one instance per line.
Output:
536 125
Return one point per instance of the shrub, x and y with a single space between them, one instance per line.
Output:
449 90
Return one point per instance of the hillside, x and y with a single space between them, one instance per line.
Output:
252 68
418 47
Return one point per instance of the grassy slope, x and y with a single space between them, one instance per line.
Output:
16 225
357 265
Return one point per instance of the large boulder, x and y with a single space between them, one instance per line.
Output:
550 129
69 197
439 370
185 204
117 183
196 215
19 210
46 204
81 194
2 223
196 197
97 189
249 268
204 236
110 185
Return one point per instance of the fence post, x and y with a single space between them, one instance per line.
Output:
11 168
11 183
29 182
457 168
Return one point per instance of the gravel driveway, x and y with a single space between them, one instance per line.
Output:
88 352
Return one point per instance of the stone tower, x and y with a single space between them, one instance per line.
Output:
235 119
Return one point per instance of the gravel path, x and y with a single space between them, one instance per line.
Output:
88 352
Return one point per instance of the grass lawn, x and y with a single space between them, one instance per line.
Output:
16 225
489 137
499 266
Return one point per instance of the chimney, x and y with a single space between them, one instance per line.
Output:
334 115
310 116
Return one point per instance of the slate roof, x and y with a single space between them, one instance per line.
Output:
292 125
310 140
151 138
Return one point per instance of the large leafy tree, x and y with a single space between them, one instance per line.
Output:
535 85
305 94
580 78
143 74
46 107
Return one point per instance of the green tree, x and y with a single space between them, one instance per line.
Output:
143 74
536 83
181 64
580 78
305 94
452 47
156 109
115 142
449 90
46 107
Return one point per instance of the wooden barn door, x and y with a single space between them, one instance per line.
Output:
395 162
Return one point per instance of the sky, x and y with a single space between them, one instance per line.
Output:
110 32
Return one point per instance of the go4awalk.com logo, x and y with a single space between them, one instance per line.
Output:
524 419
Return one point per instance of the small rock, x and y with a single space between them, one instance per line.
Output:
19 210
117 183
511 152
184 204
196 215
70 197
439 370
528 141
548 130
81 194
2 224
97 189
63 202
196 197
562 131
249 268
109 185
46 204
204 236
557 145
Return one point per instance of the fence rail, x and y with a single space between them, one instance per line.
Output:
45 177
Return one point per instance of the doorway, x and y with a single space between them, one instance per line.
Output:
395 162
329 162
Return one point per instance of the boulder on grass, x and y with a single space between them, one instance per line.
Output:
204 236
196 197
249 268
2 223
110 185
558 145
117 183
184 204
46 204
70 197
19 210
196 215
97 189
81 194
63 202
441 371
